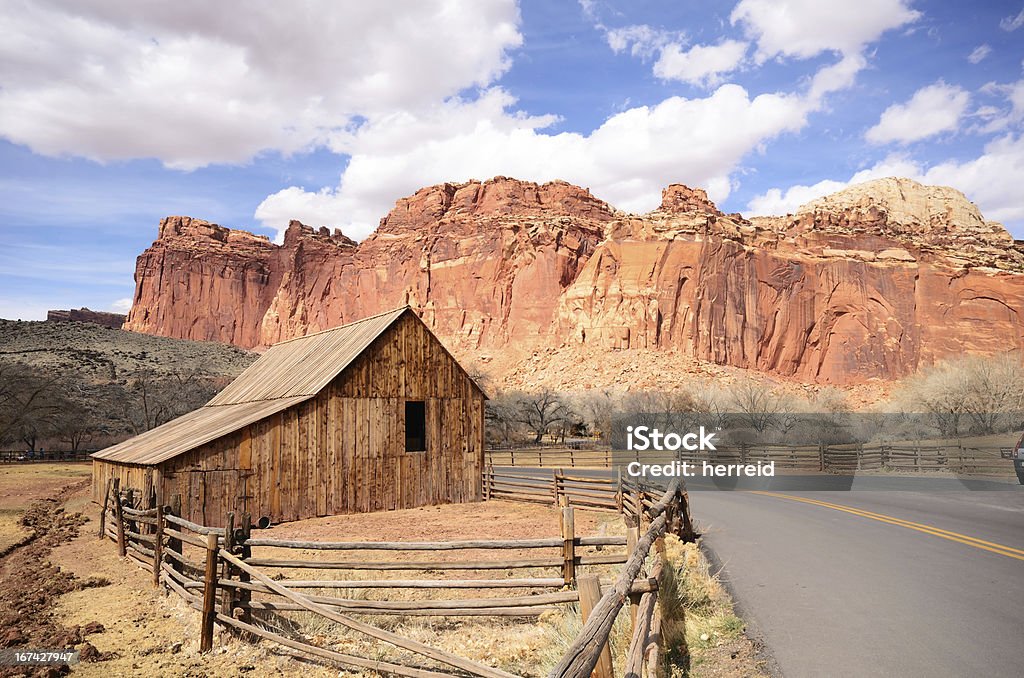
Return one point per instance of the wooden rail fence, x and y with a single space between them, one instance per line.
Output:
215 571
823 458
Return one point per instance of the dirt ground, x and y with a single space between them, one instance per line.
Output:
21 484
62 586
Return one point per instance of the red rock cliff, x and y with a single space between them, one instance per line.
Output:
869 282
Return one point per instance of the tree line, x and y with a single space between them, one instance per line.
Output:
972 395
72 411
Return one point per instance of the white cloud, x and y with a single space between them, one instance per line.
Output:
191 83
805 28
992 181
1012 23
121 305
775 201
979 53
627 160
701 64
640 40
932 110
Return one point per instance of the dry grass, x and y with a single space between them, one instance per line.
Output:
702 635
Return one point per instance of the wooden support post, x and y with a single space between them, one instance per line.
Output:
632 537
119 516
158 545
556 486
209 594
244 596
568 545
226 571
103 511
488 481
589 587
174 544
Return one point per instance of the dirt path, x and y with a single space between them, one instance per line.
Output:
30 584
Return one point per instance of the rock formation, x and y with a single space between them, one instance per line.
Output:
84 315
871 282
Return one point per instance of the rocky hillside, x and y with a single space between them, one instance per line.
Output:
103 353
865 284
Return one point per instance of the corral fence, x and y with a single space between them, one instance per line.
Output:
240 580
26 456
822 458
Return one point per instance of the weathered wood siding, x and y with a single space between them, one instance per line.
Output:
132 476
343 451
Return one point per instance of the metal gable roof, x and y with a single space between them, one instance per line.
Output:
191 430
288 373
305 365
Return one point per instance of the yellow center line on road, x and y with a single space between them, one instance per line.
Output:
1001 549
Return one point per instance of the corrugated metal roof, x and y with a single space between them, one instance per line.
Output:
303 366
191 430
287 374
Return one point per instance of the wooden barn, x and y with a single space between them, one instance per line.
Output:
370 416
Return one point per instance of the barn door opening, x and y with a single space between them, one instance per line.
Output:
415 426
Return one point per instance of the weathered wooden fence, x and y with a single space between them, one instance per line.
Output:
821 458
26 456
215 571
591 492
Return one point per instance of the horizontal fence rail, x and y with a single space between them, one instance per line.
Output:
821 458
235 577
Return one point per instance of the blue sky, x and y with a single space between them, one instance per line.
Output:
116 114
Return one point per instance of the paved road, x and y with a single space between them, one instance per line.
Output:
833 592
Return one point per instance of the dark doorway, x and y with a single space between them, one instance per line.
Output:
415 426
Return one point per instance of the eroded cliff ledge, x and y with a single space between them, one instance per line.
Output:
867 283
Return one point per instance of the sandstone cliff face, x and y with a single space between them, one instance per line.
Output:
868 283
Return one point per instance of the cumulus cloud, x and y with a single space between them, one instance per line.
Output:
806 28
776 201
979 53
190 83
701 64
932 110
627 160
992 181
121 305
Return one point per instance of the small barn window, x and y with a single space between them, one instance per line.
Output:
415 426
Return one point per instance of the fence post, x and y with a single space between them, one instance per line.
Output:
173 543
228 603
488 475
119 516
244 595
589 587
556 487
209 593
103 511
821 456
568 544
158 544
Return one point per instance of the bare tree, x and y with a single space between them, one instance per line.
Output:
976 394
501 417
542 411
29 404
760 406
